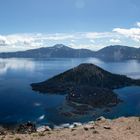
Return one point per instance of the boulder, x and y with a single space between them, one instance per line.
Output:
76 124
43 129
101 119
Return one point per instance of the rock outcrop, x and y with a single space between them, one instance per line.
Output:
26 128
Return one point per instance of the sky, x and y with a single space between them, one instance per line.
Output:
91 24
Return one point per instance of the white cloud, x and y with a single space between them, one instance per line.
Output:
89 40
31 39
98 35
86 46
133 33
57 37
138 24
13 39
115 40
73 40
19 40
92 41
27 41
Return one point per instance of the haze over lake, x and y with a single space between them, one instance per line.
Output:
18 103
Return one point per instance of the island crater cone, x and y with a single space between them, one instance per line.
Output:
86 84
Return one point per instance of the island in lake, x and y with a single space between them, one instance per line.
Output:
86 84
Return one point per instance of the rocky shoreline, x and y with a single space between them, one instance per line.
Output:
106 129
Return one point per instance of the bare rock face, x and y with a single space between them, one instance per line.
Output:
26 128
96 97
2 131
86 84
43 129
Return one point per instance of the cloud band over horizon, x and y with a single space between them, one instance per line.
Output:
88 40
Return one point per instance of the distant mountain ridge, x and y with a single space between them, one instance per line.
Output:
57 51
116 52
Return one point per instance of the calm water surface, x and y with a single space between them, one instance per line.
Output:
18 103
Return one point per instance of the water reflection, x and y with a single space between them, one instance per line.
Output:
15 64
131 68
18 103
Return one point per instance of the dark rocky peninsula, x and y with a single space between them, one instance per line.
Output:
86 84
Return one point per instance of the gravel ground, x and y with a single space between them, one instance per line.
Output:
118 129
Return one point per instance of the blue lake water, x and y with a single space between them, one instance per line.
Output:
18 103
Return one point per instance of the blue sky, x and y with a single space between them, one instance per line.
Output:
91 24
